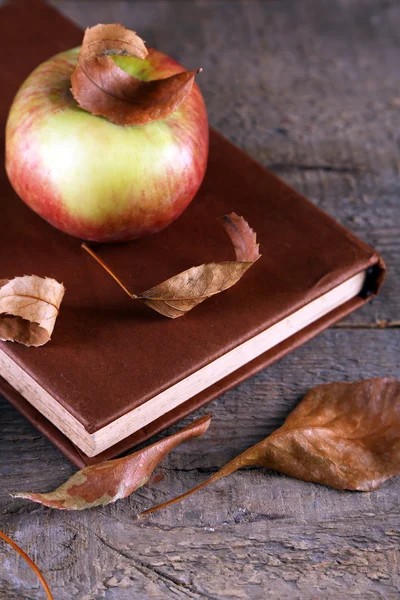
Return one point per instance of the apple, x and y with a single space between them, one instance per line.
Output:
96 180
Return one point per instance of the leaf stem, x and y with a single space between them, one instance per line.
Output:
30 563
229 468
107 268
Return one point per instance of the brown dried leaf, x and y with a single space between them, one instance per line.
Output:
242 236
102 88
29 306
179 294
109 481
102 40
345 435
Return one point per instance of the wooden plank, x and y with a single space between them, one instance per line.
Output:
310 89
258 531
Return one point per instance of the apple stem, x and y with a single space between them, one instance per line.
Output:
107 268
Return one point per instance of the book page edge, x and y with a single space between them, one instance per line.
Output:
127 424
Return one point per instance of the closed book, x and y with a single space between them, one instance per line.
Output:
115 372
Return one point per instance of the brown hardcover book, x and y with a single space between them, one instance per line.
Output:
115 372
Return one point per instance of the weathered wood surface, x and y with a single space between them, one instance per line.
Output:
312 89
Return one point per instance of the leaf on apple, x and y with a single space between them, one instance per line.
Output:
109 481
102 88
179 294
29 306
102 40
345 435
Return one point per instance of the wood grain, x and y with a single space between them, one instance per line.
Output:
311 89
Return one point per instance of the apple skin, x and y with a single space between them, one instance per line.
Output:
96 180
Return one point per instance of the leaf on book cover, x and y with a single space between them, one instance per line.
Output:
102 88
109 481
179 294
345 435
29 307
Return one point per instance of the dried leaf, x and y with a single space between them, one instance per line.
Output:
179 294
345 435
109 481
102 40
243 238
102 88
29 307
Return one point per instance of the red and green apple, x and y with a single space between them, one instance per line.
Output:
92 178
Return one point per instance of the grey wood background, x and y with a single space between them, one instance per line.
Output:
310 88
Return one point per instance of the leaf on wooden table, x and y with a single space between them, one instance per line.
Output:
29 306
179 294
109 481
345 435
102 88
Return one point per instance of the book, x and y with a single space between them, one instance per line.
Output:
115 372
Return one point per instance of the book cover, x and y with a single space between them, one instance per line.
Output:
110 355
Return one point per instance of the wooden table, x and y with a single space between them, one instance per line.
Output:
311 89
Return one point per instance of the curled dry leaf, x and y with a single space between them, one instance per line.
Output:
102 88
29 307
109 481
345 435
102 40
179 294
